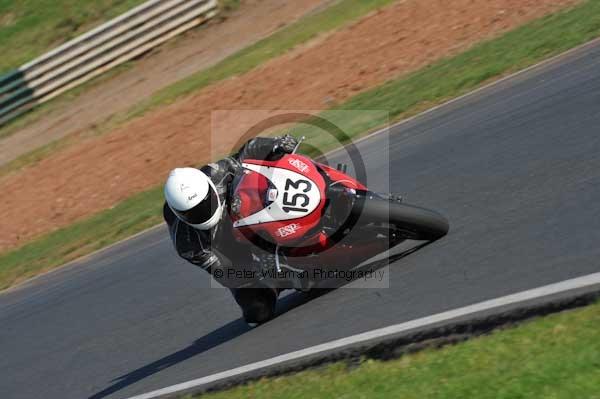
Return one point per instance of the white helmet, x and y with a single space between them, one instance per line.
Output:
193 197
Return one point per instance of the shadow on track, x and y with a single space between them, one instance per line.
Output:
232 330
296 299
215 338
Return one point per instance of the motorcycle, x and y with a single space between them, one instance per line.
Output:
306 214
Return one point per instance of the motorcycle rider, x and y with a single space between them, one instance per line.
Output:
201 229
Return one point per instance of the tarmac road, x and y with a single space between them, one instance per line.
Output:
515 168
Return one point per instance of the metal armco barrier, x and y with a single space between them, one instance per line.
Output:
97 51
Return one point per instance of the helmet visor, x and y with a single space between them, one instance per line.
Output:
202 212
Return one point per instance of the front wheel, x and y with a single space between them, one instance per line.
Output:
257 304
413 222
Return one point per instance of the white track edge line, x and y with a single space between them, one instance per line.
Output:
551 289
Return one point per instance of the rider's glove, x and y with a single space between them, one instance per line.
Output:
285 144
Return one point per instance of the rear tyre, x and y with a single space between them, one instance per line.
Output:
414 222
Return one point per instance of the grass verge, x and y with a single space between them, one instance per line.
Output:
30 28
430 86
278 43
557 356
135 214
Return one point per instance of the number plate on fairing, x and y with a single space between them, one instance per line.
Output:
297 196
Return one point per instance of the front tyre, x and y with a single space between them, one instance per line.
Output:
414 222
257 304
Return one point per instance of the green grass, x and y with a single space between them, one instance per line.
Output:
438 82
280 42
229 5
29 28
557 356
509 53
130 216
243 61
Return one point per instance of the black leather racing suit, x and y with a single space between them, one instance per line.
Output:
216 249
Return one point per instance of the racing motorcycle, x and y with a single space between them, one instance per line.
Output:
305 214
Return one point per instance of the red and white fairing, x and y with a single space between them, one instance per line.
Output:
283 201
280 200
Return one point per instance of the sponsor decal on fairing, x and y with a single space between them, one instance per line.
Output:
288 230
298 164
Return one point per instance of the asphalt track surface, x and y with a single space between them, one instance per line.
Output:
515 167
